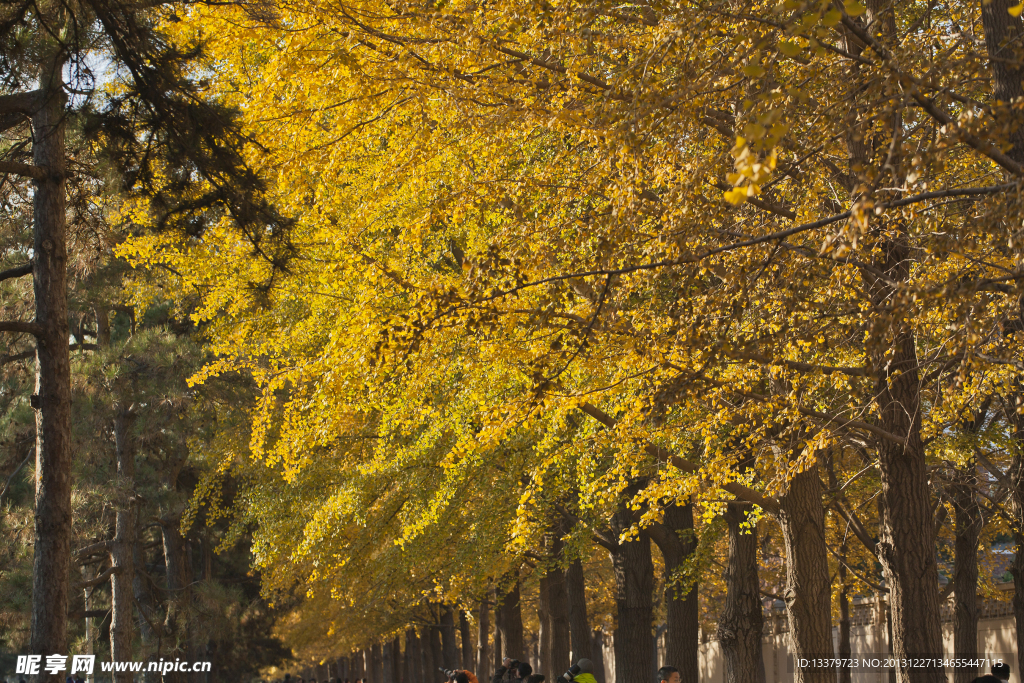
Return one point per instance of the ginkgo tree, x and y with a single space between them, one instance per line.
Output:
736 236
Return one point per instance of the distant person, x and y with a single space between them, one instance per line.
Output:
523 671
535 678
987 678
586 674
669 674
1001 671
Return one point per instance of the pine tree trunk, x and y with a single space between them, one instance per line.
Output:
122 549
634 586
178 602
675 538
466 640
483 650
576 598
967 532
450 652
52 399
808 585
741 622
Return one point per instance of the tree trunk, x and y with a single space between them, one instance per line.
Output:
544 621
413 665
512 625
1016 477
677 542
906 545
122 548
808 585
466 640
388 662
144 607
1004 38
845 649
427 656
967 531
597 649
558 611
450 652
579 626
178 593
741 621
52 399
398 660
634 586
483 650
436 654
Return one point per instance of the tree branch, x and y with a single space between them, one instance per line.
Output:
26 170
20 326
603 538
20 103
859 530
17 271
769 504
99 579
102 546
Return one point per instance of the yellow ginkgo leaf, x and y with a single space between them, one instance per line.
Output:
1016 10
736 196
854 8
790 48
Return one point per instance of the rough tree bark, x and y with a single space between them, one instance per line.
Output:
741 621
634 586
675 538
906 544
576 599
808 585
52 398
1004 37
